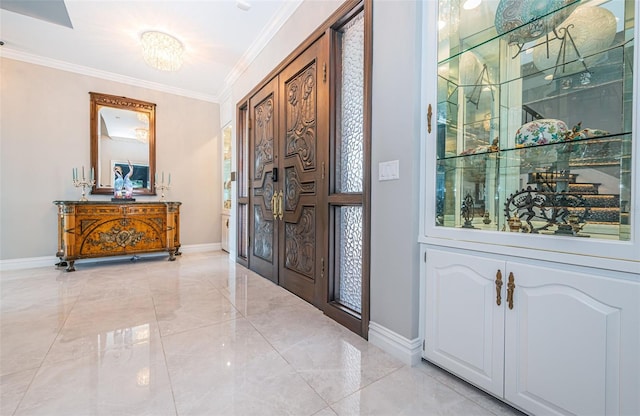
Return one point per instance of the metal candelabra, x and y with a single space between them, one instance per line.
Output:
84 183
162 188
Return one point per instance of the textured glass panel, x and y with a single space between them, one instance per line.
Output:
243 243
349 229
349 168
243 162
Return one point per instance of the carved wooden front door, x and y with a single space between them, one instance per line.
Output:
290 127
263 146
304 149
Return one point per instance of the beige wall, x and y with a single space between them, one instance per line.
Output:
44 132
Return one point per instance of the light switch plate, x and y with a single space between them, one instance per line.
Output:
388 171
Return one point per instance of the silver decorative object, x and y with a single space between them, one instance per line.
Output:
83 182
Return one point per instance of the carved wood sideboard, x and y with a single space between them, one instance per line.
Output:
88 229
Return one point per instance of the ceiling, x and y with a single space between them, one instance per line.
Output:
101 38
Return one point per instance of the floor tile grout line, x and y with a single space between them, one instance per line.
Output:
291 366
456 379
164 355
44 357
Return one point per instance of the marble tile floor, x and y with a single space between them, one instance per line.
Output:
198 336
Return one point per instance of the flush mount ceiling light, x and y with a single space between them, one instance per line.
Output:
243 5
161 51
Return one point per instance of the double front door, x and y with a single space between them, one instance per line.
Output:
288 160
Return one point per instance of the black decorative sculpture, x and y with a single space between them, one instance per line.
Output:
561 209
466 211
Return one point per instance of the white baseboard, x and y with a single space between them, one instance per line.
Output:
409 351
28 263
46 261
201 248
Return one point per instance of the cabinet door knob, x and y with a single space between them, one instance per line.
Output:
498 287
510 288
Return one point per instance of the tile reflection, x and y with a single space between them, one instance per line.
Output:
120 340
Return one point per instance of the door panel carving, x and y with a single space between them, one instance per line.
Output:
294 188
301 243
263 220
263 150
263 235
301 117
264 193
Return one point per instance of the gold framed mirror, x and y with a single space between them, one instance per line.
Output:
123 131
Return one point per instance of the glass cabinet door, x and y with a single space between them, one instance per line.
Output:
226 168
534 116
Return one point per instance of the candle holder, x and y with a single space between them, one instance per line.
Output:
162 188
84 184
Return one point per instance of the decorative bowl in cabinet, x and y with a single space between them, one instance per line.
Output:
592 30
527 20
542 131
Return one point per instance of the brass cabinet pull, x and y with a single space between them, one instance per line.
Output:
280 210
274 205
429 114
498 287
510 288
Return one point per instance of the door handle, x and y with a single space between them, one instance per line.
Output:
498 287
274 205
429 114
280 210
510 288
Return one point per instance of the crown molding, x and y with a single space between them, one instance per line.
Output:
285 12
110 76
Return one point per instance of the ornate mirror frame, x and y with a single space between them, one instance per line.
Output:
143 109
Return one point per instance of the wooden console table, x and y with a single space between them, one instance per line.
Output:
88 229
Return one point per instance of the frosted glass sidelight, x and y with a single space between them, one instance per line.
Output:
349 167
243 235
349 228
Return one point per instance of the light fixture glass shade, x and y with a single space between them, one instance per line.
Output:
471 4
142 135
143 117
162 51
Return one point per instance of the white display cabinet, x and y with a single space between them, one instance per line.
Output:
530 173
